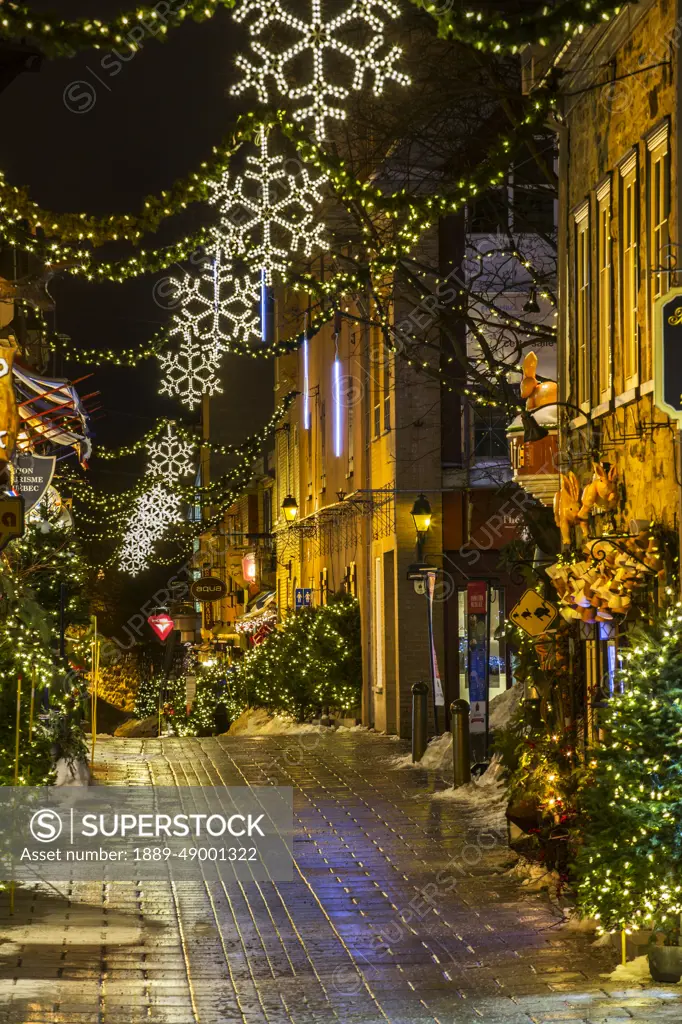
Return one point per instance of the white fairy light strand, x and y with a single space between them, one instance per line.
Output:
268 214
318 37
218 307
154 511
171 457
191 371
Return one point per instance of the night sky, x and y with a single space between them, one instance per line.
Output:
140 129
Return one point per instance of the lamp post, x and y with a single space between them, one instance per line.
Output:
421 516
290 508
423 576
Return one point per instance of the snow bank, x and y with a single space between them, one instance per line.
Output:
504 705
485 797
437 756
260 722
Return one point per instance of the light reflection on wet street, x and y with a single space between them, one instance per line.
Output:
371 929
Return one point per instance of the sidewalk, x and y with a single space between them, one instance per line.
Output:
399 911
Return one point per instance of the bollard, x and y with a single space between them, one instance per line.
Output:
461 759
420 716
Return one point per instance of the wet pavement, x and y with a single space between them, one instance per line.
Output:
401 910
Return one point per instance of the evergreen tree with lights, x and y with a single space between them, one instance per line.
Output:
33 569
312 662
629 867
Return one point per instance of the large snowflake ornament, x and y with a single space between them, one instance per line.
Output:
154 511
269 214
190 373
219 308
317 39
170 456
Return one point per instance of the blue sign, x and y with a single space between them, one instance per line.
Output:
304 597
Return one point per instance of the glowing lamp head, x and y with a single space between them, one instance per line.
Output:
421 514
290 508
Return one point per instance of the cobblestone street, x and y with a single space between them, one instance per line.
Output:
372 928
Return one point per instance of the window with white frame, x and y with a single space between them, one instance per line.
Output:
659 211
582 306
629 272
604 292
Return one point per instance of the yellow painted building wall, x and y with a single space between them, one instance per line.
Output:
620 101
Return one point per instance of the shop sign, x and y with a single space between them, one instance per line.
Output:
668 353
208 588
162 625
33 477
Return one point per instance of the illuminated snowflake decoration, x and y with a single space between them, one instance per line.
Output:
171 457
317 39
154 511
269 214
219 308
190 373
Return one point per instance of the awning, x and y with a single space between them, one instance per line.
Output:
51 411
258 603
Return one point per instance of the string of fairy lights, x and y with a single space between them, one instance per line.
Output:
57 36
267 218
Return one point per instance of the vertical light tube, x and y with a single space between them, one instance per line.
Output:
306 384
337 406
263 306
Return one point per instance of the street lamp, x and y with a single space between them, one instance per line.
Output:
421 516
290 508
423 576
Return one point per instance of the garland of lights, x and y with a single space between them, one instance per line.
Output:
316 38
495 31
81 228
268 213
60 37
169 461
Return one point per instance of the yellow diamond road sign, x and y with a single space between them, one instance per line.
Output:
533 613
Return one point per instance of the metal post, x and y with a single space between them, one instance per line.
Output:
420 693
17 732
93 690
429 623
62 621
461 758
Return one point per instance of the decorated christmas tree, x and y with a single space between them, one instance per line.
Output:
50 693
629 867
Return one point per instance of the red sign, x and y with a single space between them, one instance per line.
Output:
162 625
477 597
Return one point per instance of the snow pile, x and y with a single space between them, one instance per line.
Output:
75 773
634 972
485 797
260 722
504 706
437 756
580 925
535 877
